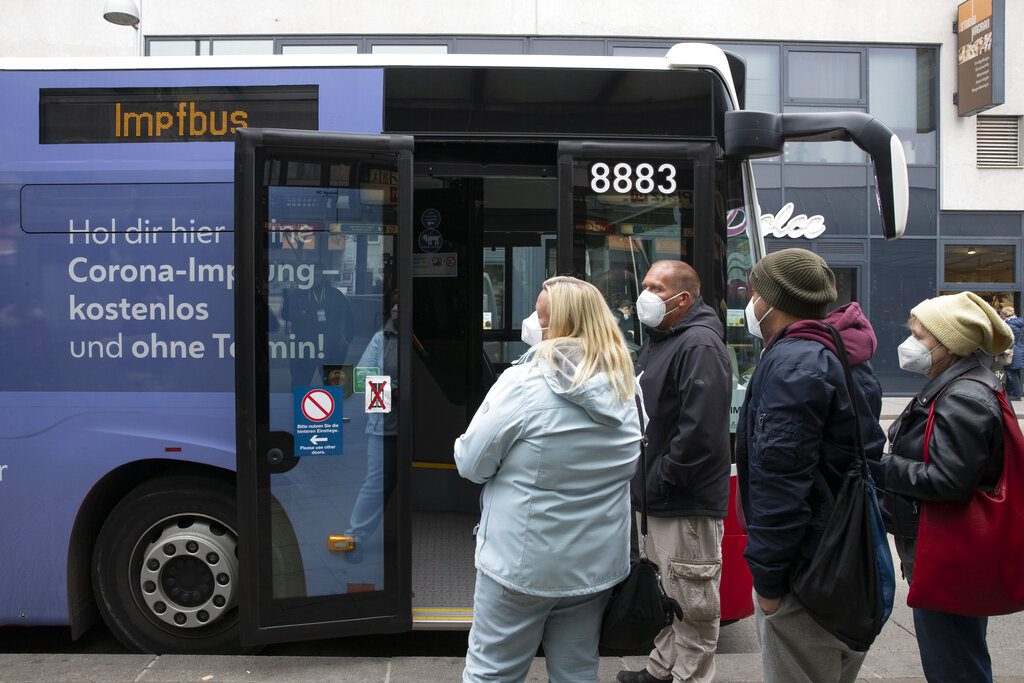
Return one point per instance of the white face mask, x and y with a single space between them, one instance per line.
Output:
915 356
650 308
753 323
533 333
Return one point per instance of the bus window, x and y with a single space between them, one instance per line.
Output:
618 235
731 210
514 276
494 272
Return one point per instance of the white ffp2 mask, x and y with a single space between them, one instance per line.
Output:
650 308
915 356
532 333
753 323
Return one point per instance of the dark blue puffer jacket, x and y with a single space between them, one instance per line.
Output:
796 440
1016 324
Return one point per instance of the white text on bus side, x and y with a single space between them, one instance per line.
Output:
2 468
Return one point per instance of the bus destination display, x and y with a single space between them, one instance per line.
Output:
111 115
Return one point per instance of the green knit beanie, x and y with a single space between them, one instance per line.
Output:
795 281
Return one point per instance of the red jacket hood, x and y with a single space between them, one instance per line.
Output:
854 328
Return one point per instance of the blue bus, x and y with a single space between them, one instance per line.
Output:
248 305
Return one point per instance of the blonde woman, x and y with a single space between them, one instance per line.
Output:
556 442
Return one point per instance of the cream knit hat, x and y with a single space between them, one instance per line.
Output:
963 323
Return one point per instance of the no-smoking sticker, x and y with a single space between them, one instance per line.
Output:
317 405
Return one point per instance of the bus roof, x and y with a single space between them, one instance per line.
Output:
680 56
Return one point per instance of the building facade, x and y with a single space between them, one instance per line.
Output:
897 61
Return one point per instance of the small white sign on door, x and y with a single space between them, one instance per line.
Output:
378 394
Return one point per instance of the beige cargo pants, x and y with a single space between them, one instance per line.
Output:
689 552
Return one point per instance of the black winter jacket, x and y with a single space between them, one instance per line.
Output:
794 443
687 386
966 449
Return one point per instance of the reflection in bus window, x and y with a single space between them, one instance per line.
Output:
494 288
332 240
618 235
744 349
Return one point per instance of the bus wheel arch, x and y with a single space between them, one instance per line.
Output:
96 509
93 511
165 570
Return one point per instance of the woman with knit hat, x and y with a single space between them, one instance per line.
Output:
952 340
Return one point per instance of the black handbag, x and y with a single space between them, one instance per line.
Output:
848 586
638 608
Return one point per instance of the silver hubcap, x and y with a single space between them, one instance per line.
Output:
189 574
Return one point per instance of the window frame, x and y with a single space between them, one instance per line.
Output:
832 48
944 284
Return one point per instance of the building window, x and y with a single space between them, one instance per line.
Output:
388 48
999 142
243 47
634 51
319 49
979 263
824 75
762 75
178 48
902 93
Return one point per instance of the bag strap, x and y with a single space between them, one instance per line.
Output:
930 424
845 360
643 474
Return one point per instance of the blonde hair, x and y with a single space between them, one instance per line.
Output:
577 310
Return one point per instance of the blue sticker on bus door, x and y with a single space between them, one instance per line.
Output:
318 420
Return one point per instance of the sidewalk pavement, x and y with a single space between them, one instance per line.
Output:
734 668
892 406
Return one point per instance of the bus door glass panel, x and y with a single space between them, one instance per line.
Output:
734 208
512 279
632 206
520 248
327 390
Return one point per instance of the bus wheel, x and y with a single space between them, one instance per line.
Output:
165 567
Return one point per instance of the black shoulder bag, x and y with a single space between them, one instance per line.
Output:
849 584
639 608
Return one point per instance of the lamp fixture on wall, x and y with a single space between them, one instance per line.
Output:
125 13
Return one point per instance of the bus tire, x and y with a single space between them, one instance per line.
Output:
165 567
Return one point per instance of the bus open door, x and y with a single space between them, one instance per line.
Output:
322 364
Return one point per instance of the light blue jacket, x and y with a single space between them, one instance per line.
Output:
557 463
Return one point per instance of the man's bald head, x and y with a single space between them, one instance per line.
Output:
679 275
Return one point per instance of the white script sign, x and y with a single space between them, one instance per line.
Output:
785 224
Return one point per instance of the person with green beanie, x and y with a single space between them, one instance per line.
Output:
952 339
795 440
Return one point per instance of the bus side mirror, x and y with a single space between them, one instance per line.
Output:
755 134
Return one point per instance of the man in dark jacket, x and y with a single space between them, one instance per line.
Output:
795 441
687 386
